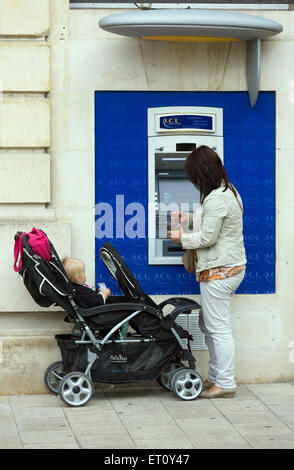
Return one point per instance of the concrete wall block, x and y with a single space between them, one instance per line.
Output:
13 295
25 123
24 362
24 18
25 67
59 29
24 178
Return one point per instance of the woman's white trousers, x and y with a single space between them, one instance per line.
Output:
215 323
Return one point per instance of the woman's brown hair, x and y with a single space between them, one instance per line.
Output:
205 170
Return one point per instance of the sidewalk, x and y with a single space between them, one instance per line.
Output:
260 416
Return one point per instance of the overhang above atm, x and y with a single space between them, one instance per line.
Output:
199 26
190 25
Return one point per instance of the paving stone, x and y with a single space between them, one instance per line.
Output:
6 418
42 412
274 394
243 393
46 437
280 441
285 413
231 405
135 406
42 424
21 401
10 441
53 445
132 395
159 431
104 425
205 433
200 409
138 419
163 443
85 415
216 441
262 429
248 412
135 412
166 396
102 441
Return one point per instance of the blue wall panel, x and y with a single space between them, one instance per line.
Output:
249 157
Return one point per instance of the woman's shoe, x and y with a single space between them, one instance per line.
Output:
206 385
224 393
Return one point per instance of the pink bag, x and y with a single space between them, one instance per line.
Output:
37 241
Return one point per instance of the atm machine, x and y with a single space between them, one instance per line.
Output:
173 132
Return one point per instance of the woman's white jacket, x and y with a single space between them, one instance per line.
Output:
217 231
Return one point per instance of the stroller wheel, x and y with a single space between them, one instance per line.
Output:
165 377
76 389
53 376
186 384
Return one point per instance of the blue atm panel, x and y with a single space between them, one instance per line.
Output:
121 173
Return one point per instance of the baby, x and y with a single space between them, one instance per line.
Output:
87 297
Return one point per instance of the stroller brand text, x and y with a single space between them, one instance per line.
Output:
117 358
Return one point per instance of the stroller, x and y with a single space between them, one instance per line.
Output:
95 351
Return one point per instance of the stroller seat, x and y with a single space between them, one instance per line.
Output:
93 352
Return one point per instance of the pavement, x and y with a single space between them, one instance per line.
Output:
260 416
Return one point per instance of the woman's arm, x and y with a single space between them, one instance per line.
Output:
214 211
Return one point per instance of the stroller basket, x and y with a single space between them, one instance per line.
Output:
119 362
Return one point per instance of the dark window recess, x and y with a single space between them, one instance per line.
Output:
185 147
175 249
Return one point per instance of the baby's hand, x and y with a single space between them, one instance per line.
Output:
106 293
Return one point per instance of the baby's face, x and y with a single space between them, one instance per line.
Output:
81 278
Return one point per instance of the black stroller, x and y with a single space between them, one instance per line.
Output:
95 350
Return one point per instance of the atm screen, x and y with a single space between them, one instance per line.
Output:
178 190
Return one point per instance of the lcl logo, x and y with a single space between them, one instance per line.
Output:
139 260
170 121
184 278
163 278
252 239
142 277
251 220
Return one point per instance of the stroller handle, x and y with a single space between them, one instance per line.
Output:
181 302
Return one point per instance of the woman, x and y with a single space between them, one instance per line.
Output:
220 262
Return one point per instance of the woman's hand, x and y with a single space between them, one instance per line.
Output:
178 216
176 235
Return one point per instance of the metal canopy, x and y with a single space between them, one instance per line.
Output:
199 25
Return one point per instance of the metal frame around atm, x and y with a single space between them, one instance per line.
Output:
164 141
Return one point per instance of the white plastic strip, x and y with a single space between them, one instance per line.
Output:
195 6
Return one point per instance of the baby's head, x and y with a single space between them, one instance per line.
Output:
75 270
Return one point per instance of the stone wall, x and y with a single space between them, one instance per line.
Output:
32 34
